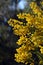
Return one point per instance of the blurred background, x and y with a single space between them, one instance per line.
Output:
9 9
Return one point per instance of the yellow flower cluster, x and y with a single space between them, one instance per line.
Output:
30 31
22 54
41 48
41 62
36 9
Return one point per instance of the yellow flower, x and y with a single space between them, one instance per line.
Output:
23 57
32 64
35 8
21 16
41 49
21 40
41 62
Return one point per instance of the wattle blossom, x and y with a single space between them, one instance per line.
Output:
30 31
